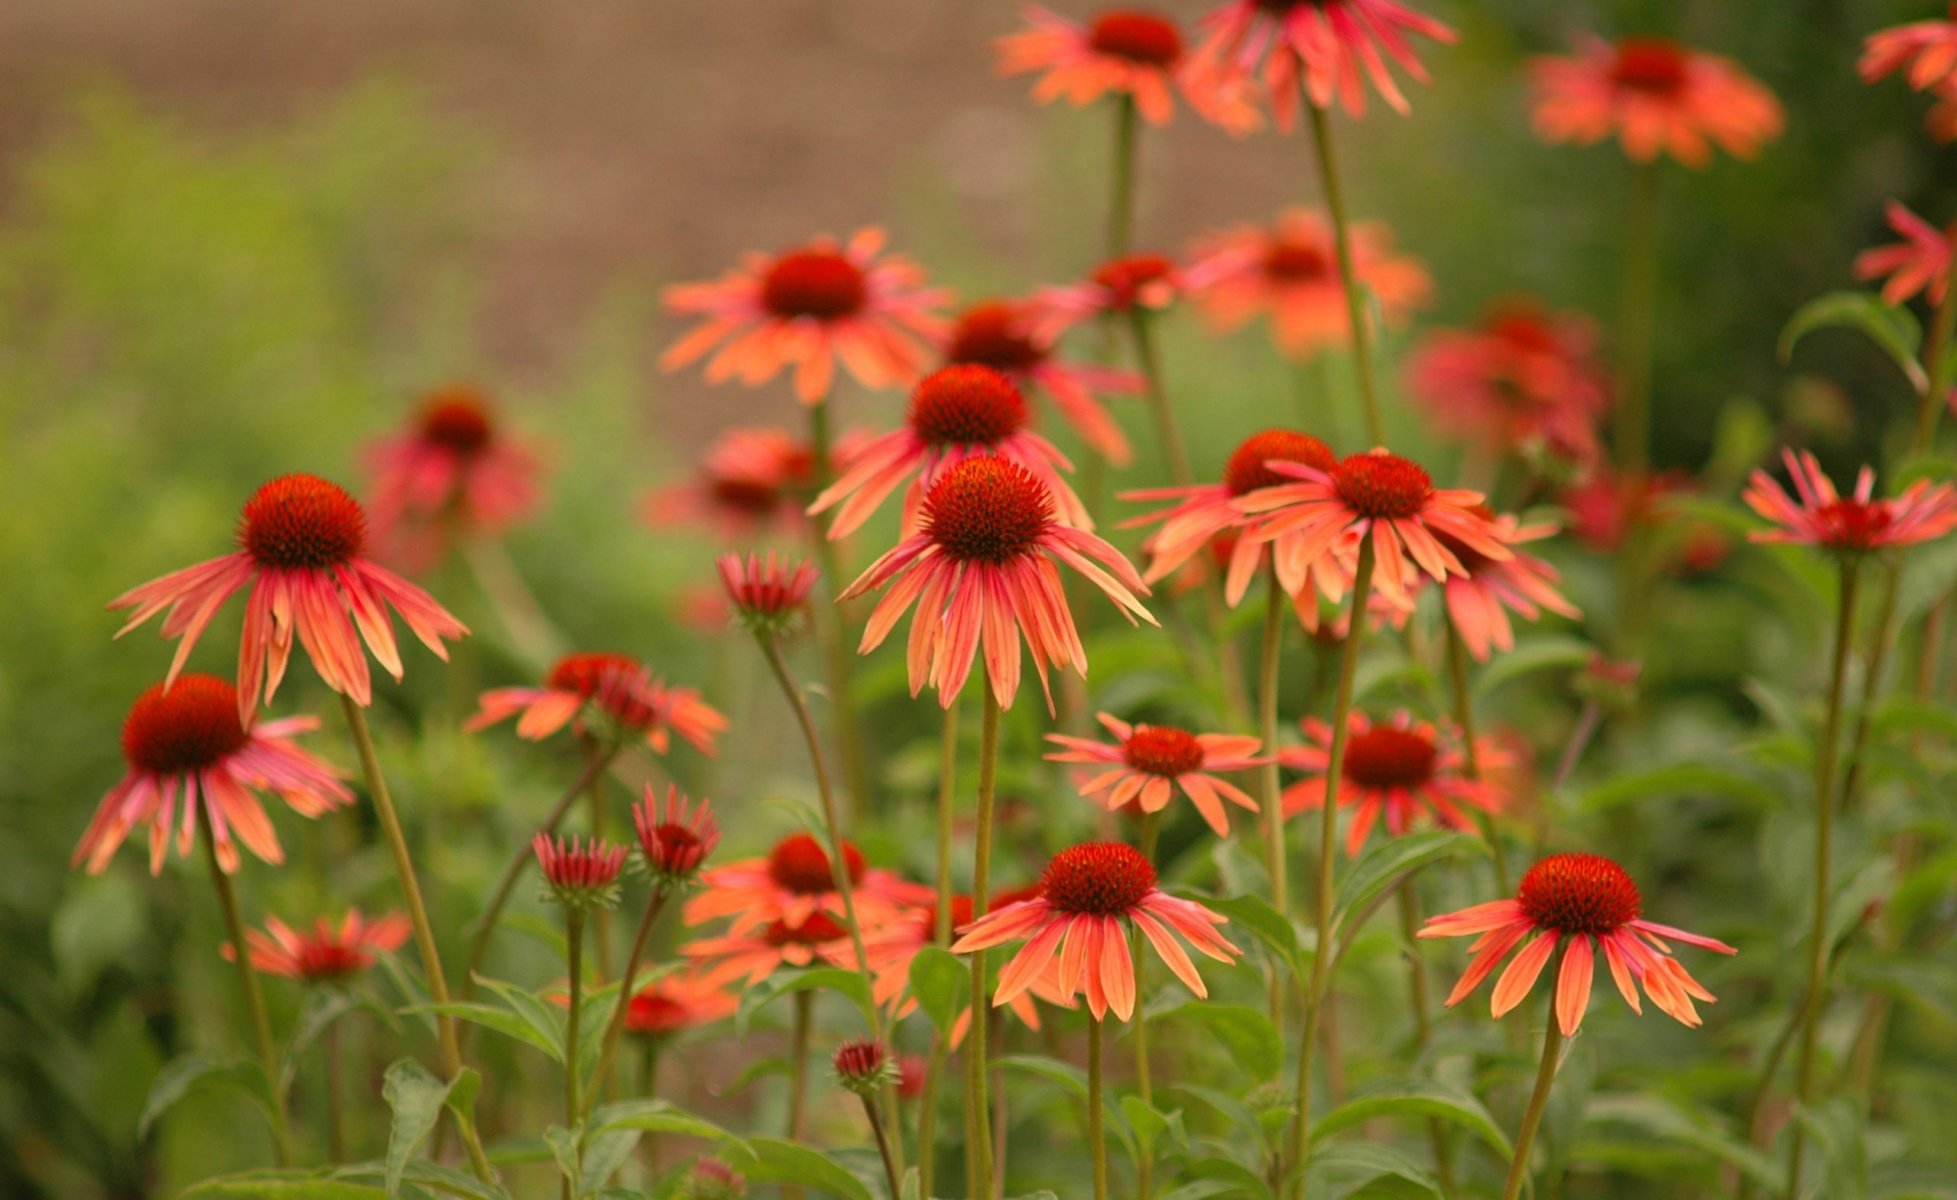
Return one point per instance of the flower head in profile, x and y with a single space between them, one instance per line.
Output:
749 480
674 841
1583 903
1132 284
1817 515
1012 338
1290 271
982 571
603 694
1121 52
768 595
1331 47
579 876
1090 897
1398 769
794 881
1205 513
301 551
1148 764
328 953
956 413
1480 599
1382 497
1918 263
1925 51
1656 96
673 1004
187 743
863 1066
1526 381
454 473
811 308
753 955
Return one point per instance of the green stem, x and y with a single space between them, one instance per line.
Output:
1525 1137
336 1126
532 634
1464 719
1355 305
574 941
978 1114
890 1173
1929 404
798 1059
627 986
1097 1137
1269 795
1824 793
1144 1081
424 932
1121 205
1418 997
1157 393
836 650
1328 837
934 1065
261 1024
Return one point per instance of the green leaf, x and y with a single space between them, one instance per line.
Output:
188 1071
657 1116
1839 1133
1531 656
1146 1122
835 979
1358 1163
1246 1033
1387 860
1244 1181
774 1160
941 983
1670 1122
283 1185
1893 329
1265 923
547 1020
325 1006
1075 1081
1687 778
502 1020
564 1147
416 1098
1414 1098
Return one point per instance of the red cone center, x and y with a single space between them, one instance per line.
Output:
800 864
1246 471
1162 750
1103 879
967 404
1651 65
456 420
1382 486
302 522
1385 756
987 510
1578 893
994 335
1136 36
813 283
192 726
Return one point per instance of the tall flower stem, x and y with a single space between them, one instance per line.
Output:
424 932
336 1122
1929 403
890 1173
597 760
1418 997
1328 837
261 1025
1121 200
532 634
836 650
1464 719
934 1065
627 986
798 1068
838 861
1355 304
574 962
977 1112
1144 1077
1824 796
601 919
1097 1137
1525 1138
1268 794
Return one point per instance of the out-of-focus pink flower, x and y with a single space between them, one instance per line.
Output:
455 473
1817 515
1925 51
1525 381
676 841
328 953
1331 46
617 690
1150 763
794 881
1147 283
1120 52
1398 769
1657 96
579 875
1009 337
748 481
1920 262
768 594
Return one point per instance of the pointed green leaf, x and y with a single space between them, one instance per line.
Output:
502 1020
189 1071
1893 329
416 1099
775 1160
1246 1033
1414 1098
282 1185
835 979
942 985
1388 860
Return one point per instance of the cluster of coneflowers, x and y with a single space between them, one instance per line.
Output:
998 545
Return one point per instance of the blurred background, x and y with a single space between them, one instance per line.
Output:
240 240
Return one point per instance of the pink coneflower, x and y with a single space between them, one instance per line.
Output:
754 955
455 472
1656 96
675 1003
1925 51
1090 896
1480 600
1009 337
956 413
579 875
301 542
1123 52
1526 381
810 307
767 594
1920 262
1606 506
1575 900
1817 515
328 953
189 738
1205 512
1152 762
603 692
675 841
748 481
981 569
1291 272
1380 496
794 881
1333 45
1146 283
1399 769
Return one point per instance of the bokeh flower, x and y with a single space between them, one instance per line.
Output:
328 953
794 881
1817 515
1918 263
1925 51
1333 46
1657 96
1398 769
1145 283
1120 52
981 571
1525 381
749 480
301 551
810 308
891 948
675 1003
1583 902
187 742
1010 337
456 472
1151 763
1479 600
759 952
603 693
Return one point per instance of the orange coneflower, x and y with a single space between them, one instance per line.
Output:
794 881
1090 896
674 1003
1012 338
810 307
301 551
455 472
749 479
1332 46
1291 271
1926 52
981 570
327 953
1918 263
891 949
1397 769
1122 51
1656 96
1817 515
188 739
616 689
1575 900
1152 762
1145 283
1525 381
1480 599
957 412
758 953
